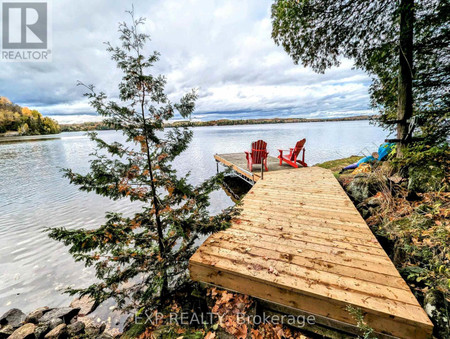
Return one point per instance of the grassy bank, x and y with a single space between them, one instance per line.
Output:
336 165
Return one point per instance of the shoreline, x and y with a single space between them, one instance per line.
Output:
98 126
21 138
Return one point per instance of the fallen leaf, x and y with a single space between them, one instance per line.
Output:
210 335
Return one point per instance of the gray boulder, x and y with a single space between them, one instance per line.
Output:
365 185
42 329
33 317
437 308
55 322
66 314
14 317
24 332
76 328
58 332
358 188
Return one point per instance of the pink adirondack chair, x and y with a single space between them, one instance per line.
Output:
291 158
258 155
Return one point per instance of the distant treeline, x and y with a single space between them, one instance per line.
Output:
91 126
85 126
225 122
24 121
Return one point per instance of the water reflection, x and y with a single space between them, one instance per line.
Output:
235 187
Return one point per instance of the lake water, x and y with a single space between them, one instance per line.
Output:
34 270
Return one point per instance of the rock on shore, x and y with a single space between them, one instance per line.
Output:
54 323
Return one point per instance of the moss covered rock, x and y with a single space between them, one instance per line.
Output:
438 309
134 330
365 185
425 178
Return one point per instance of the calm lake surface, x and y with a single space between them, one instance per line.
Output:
34 270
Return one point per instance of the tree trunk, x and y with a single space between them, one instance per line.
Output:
161 245
405 97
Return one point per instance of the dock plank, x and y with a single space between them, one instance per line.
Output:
300 242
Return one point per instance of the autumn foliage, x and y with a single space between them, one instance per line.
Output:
231 319
23 120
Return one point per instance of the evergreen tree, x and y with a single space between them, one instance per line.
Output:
141 260
404 45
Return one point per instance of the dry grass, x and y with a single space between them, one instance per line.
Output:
336 165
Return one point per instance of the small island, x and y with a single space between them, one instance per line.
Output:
16 120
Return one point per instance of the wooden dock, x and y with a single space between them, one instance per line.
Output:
238 163
301 243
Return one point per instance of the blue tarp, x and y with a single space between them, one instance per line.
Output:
383 152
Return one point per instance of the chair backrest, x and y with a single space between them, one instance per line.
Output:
259 151
297 149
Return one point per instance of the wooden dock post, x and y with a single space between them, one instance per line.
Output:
262 171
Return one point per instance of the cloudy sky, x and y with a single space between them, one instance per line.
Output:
222 48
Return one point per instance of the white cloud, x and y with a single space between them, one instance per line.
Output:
224 49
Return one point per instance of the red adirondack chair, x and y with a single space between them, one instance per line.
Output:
258 155
291 158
